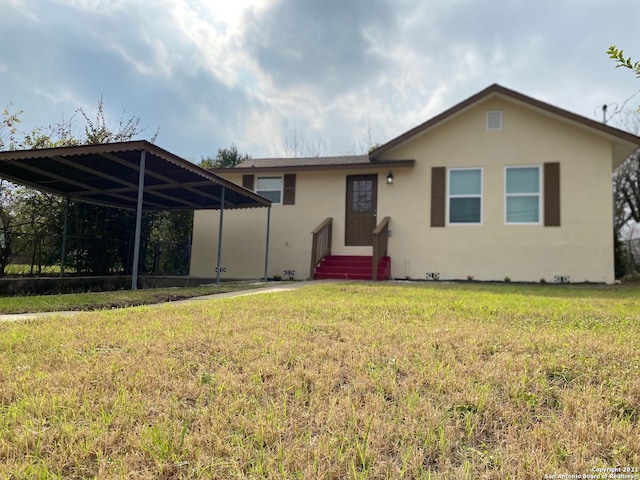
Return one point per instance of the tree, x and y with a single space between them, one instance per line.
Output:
8 132
626 178
366 143
7 220
98 130
104 234
622 61
8 128
225 158
296 145
626 192
36 217
169 242
95 232
100 239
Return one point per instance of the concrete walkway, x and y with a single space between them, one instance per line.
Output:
239 293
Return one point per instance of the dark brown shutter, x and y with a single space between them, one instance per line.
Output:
438 195
247 181
289 191
552 194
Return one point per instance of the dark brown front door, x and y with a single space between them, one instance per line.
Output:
362 203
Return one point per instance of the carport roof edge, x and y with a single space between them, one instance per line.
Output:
107 174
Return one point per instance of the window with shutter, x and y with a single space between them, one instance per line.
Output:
281 190
522 195
271 188
465 196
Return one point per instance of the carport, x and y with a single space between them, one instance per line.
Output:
135 175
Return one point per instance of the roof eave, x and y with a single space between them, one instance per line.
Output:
317 168
17 157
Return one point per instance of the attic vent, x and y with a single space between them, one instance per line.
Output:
494 120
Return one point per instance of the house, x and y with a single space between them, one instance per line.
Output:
500 186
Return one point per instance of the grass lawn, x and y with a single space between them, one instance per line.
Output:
115 299
330 381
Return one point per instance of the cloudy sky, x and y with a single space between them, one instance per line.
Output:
335 74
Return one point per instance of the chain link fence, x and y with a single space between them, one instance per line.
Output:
630 255
30 254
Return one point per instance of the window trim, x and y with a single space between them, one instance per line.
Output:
281 189
449 196
511 195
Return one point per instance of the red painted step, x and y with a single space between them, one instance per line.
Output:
351 267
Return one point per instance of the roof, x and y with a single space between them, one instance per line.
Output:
303 161
108 174
345 162
624 143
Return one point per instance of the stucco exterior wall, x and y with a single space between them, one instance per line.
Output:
318 195
581 248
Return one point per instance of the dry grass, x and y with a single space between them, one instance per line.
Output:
115 299
331 381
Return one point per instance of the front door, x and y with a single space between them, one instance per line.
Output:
362 204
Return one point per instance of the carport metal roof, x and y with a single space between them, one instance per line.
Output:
135 175
108 174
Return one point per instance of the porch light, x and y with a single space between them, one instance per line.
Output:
390 178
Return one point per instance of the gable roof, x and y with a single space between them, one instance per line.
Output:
624 143
108 174
295 164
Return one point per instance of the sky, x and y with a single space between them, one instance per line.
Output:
330 76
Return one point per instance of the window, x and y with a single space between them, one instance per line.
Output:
271 188
522 195
362 196
465 195
280 190
494 120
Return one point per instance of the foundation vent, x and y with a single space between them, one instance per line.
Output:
433 276
561 279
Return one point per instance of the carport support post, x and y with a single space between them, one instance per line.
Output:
266 254
64 237
219 267
136 246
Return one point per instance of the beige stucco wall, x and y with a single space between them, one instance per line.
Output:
581 248
318 195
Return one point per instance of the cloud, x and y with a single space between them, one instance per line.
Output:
319 45
250 71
